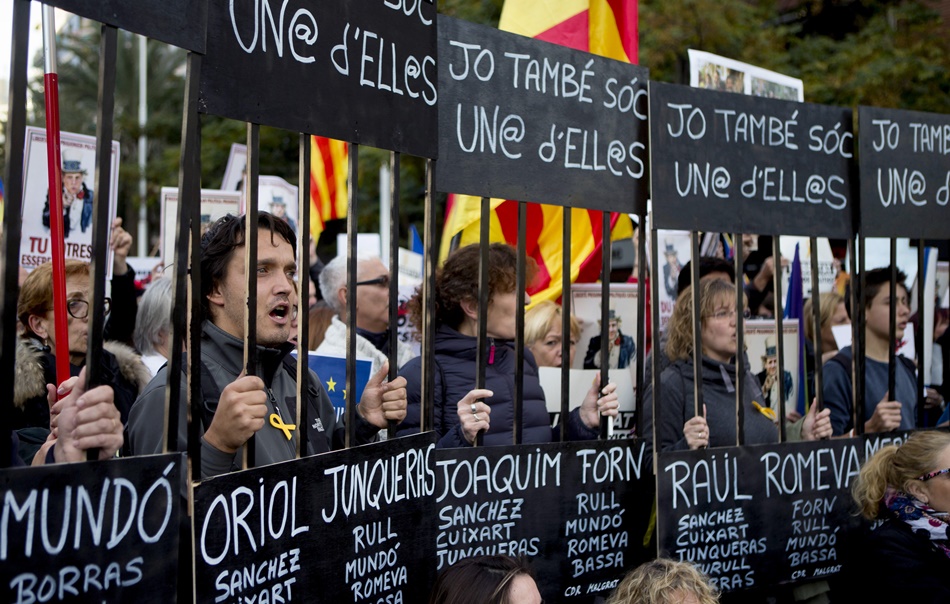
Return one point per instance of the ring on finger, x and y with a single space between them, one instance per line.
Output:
475 415
474 409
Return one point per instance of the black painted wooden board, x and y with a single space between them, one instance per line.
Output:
578 511
180 23
355 70
347 526
762 515
777 177
104 531
533 121
905 173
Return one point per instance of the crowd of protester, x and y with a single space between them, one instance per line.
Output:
899 486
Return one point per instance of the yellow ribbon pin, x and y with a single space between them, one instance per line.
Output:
277 422
766 411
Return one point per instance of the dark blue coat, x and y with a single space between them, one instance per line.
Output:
455 376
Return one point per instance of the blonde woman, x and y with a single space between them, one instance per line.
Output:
542 334
907 487
831 312
664 581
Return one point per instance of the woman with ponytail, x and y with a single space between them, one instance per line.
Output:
907 488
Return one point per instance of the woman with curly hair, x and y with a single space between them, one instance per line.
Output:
678 426
664 581
486 580
907 489
461 410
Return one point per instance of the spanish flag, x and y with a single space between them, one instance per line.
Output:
603 27
329 168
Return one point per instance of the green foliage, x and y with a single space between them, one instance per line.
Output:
900 59
866 52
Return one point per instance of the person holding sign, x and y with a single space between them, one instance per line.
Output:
262 405
81 420
461 412
542 334
37 348
906 487
881 414
679 427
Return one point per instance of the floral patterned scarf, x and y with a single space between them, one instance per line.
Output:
921 518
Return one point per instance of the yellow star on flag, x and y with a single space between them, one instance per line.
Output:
331 385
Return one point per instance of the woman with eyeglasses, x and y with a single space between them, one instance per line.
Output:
462 411
906 488
122 367
679 427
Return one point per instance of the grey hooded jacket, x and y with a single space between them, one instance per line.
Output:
676 407
223 356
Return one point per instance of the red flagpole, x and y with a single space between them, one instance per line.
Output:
55 164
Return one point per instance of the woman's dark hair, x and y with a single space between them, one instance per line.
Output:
457 280
479 580
226 235
707 264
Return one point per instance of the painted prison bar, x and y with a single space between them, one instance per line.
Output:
154 528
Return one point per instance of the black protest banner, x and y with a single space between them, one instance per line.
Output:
735 163
533 121
105 531
905 173
761 515
579 511
356 70
180 23
348 526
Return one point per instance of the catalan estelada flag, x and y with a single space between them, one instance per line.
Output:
604 27
329 169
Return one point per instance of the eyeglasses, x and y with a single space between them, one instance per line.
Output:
79 309
728 314
382 281
930 475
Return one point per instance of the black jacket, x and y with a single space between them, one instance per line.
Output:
455 376
719 396
223 357
896 565
122 368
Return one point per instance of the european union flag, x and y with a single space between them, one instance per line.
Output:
332 374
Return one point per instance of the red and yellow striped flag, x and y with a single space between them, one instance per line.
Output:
603 27
328 172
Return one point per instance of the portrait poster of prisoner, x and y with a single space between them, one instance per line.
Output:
674 251
622 313
761 347
274 194
78 188
214 204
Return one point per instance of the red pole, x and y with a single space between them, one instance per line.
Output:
55 164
